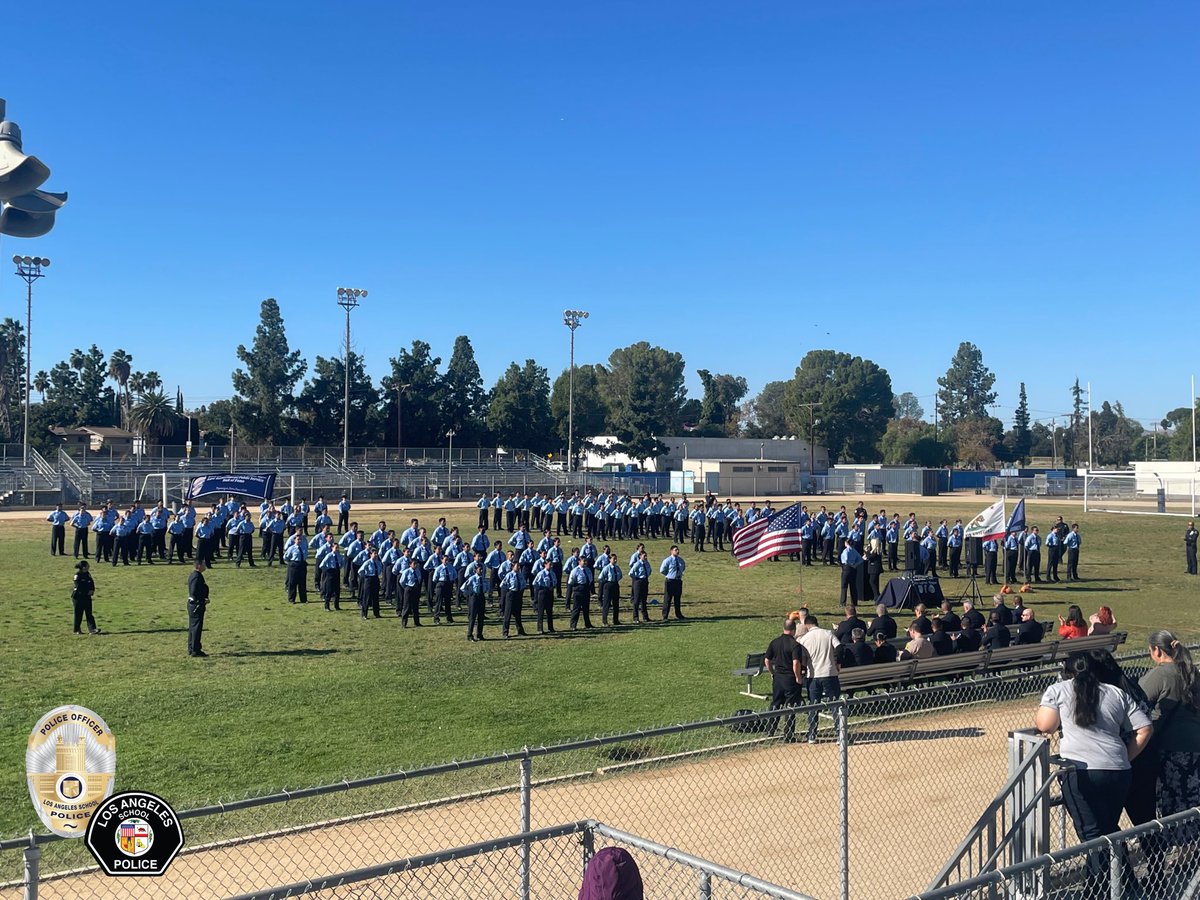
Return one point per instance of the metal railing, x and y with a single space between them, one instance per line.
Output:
82 481
1164 865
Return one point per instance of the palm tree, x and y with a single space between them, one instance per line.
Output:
41 382
76 360
154 415
119 366
151 381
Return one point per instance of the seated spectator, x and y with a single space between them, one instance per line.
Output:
939 640
972 615
950 620
1006 616
921 621
1102 622
968 639
997 634
1018 611
917 647
884 652
611 875
883 624
1073 625
1030 631
846 627
859 652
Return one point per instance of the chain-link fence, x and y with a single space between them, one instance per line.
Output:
888 787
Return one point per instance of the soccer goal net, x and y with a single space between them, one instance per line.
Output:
1140 494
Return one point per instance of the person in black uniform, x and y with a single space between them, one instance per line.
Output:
1189 544
972 615
950 620
197 601
883 624
787 661
81 597
884 652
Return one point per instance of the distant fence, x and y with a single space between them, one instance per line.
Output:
703 786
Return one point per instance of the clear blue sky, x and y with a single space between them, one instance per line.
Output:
741 182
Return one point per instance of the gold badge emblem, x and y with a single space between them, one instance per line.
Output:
70 763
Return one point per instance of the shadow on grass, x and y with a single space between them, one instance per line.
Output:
297 651
933 734
150 631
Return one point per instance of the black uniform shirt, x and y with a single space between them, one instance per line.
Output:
197 587
782 651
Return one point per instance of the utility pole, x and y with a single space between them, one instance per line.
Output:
572 318
811 438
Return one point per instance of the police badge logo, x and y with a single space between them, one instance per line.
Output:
134 833
70 764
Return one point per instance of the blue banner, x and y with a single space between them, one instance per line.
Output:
259 486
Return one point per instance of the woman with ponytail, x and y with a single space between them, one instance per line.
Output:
1093 716
1173 692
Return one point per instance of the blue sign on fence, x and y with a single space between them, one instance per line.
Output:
259 486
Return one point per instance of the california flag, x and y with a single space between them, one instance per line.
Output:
988 524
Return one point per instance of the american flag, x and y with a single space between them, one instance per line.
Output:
768 536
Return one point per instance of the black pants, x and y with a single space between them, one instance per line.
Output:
160 542
580 601
483 518
410 605
297 581
698 538
104 543
1010 566
989 568
177 548
510 520
145 545
195 625
680 531
83 607
1053 554
368 595
827 551
941 552
512 611
331 588
1094 798
893 556
474 617
343 522
850 580
640 590
785 691
1073 563
441 590
955 559
672 594
543 605
58 540
1033 565
1191 559
610 597
81 540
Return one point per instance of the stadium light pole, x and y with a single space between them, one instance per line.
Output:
347 300
450 465
30 269
1091 465
400 390
572 318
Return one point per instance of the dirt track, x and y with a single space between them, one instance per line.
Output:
907 814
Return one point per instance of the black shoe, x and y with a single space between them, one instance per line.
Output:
199 653
77 631
94 631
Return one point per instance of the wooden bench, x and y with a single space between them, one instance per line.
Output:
756 664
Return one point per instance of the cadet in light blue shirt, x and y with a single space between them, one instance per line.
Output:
610 592
296 558
81 521
672 571
58 531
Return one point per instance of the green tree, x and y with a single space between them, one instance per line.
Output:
644 388
1075 445
41 381
120 367
591 408
766 414
519 414
154 416
719 408
95 401
462 400
909 441
854 403
322 402
266 384
1019 439
1178 424
966 388
415 377
908 406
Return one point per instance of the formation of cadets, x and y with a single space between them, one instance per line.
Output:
444 570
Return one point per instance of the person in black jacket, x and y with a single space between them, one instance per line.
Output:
997 634
968 639
940 640
846 627
950 620
884 652
1030 630
81 597
1005 614
858 652
882 624
197 601
972 615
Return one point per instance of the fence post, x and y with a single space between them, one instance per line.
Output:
589 847
843 738
705 886
526 792
33 853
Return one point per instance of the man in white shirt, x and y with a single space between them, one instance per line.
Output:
822 668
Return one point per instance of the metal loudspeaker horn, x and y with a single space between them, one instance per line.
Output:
19 174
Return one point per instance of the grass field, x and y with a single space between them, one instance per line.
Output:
293 695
